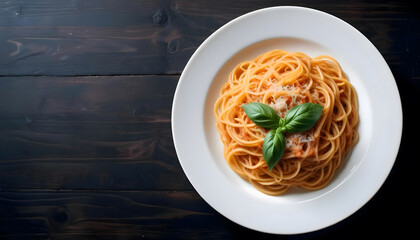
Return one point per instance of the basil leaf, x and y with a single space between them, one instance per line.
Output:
298 119
302 117
273 147
262 115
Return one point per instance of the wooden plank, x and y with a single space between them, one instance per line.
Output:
100 37
96 37
107 98
149 214
47 214
88 132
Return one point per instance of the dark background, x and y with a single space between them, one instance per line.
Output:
86 90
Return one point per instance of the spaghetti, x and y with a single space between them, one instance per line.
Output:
282 80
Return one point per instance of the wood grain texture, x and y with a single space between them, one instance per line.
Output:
110 37
88 132
150 214
69 214
86 90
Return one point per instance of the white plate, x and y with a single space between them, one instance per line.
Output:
315 33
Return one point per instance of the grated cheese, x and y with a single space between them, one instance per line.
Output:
283 104
302 137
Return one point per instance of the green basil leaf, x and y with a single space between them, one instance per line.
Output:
273 147
262 115
302 117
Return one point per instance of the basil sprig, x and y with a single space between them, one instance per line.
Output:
298 119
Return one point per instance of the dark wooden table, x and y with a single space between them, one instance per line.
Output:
86 90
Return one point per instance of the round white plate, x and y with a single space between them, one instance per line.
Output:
313 32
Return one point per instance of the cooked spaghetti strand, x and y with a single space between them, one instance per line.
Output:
282 80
